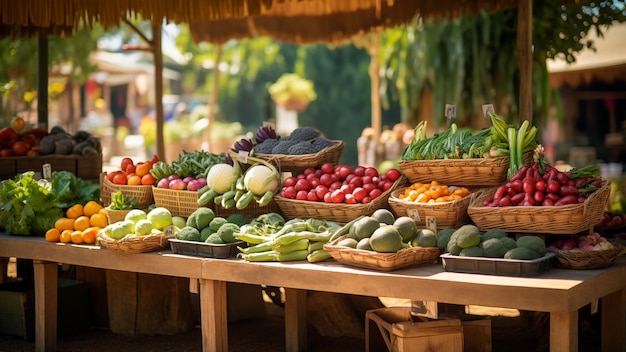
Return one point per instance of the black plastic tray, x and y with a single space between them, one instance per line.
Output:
207 250
497 266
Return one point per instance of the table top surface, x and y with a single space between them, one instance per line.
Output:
559 290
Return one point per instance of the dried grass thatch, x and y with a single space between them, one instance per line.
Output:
269 17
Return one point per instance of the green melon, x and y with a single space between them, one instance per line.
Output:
425 238
384 216
347 242
364 244
386 239
407 228
364 227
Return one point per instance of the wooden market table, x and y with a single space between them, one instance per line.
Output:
560 292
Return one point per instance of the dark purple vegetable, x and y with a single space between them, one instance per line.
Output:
517 186
263 133
568 190
553 186
517 199
505 201
567 200
520 174
242 145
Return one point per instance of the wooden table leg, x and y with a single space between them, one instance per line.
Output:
564 332
613 324
295 320
213 315
46 292
4 270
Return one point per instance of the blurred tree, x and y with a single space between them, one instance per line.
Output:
18 66
472 60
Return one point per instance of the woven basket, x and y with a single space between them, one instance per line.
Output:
338 212
143 194
114 216
178 202
581 260
565 219
476 172
298 163
448 214
382 261
134 244
252 211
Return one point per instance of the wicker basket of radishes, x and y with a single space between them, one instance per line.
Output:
585 252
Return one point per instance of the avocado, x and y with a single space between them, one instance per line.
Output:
384 216
474 251
467 236
493 233
407 228
443 237
521 253
425 238
534 243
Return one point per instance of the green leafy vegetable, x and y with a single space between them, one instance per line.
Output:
121 202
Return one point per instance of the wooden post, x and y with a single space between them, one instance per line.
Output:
375 84
46 298
158 87
213 102
525 58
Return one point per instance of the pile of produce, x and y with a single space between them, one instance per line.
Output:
468 241
501 139
544 185
432 192
591 242
21 140
339 184
383 233
80 225
187 172
203 226
139 223
301 141
271 238
134 174
31 207
229 187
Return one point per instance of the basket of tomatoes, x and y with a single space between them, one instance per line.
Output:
337 193
133 180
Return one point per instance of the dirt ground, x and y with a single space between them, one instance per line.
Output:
511 331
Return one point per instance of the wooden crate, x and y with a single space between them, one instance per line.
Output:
7 168
17 308
89 167
395 330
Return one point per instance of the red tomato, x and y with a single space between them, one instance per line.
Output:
290 192
350 199
327 168
303 185
337 196
371 171
321 191
20 148
359 170
393 174
343 171
375 193
326 180
302 195
6 152
312 196
125 162
154 159
359 193
119 179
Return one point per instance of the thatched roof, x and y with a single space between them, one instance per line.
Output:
36 17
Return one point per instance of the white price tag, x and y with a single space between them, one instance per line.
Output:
242 156
450 111
488 110
431 223
413 214
169 231
46 171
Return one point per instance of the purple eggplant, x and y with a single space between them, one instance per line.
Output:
265 132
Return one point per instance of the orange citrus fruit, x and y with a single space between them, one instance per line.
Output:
89 235
75 211
92 207
66 236
98 220
77 237
133 180
53 235
148 179
82 223
64 224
